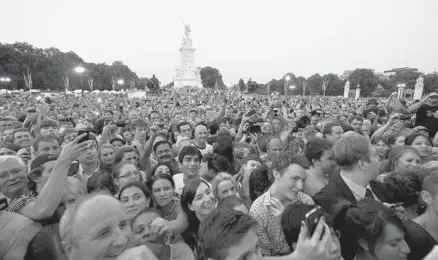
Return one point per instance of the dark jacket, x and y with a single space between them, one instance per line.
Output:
337 192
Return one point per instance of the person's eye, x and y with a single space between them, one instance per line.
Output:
123 225
104 233
137 197
139 229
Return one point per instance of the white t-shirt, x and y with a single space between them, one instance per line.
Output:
178 179
208 149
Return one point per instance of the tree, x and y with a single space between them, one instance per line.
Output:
314 85
407 77
378 91
211 77
365 78
335 86
431 83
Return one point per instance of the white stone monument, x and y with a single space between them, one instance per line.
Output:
357 93
419 88
401 89
346 89
187 73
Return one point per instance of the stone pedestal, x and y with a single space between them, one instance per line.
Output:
187 73
357 93
400 92
419 88
346 89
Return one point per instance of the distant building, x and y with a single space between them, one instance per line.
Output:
345 75
401 70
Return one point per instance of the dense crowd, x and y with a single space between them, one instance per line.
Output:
211 174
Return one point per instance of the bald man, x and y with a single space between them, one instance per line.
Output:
274 148
97 228
201 136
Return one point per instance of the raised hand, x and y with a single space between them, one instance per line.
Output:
72 150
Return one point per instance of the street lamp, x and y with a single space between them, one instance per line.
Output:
292 87
286 81
79 69
401 87
120 82
5 80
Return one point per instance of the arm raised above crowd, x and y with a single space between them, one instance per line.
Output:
48 199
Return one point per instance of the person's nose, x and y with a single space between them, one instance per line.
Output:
120 239
300 184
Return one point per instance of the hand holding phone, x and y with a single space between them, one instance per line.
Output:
85 138
312 219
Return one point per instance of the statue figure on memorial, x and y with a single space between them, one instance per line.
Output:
420 80
187 30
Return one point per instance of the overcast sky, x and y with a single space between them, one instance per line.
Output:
254 38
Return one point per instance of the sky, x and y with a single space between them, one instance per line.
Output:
254 39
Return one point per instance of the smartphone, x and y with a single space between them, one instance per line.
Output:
312 219
254 129
85 138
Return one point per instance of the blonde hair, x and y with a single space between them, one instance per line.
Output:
221 177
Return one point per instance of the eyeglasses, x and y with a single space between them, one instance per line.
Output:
130 175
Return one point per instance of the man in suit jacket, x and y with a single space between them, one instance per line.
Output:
359 167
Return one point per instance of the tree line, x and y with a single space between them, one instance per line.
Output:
52 69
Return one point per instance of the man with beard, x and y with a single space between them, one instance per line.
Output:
201 136
164 154
319 153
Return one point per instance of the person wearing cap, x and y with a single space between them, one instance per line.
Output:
372 107
427 113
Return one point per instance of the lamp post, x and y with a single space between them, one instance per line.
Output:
5 80
120 82
286 81
79 69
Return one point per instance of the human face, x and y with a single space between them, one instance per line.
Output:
186 130
162 191
366 130
134 200
247 248
300 113
127 173
130 157
275 147
357 125
190 166
142 232
99 230
395 129
107 116
117 144
23 139
391 244
204 201
326 162
155 117
133 116
12 176
127 136
408 160
249 166
8 135
107 156
292 181
88 116
48 148
372 167
6 124
336 134
400 140
162 169
422 145
140 133
225 189
381 149
164 153
276 125
7 151
90 154
201 134
48 130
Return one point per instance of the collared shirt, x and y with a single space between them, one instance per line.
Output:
357 190
269 231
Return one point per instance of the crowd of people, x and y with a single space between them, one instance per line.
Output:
199 174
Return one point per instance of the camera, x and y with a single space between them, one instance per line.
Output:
302 122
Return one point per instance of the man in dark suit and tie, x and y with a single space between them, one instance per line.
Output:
359 167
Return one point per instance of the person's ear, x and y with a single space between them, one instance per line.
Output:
427 197
191 207
315 162
277 175
68 249
294 246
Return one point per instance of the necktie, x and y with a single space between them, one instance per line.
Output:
369 194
